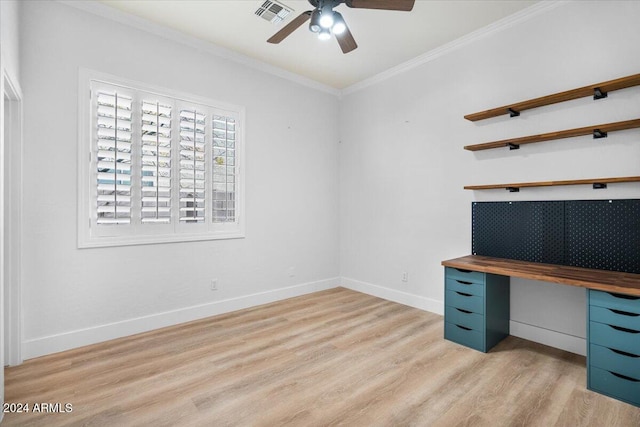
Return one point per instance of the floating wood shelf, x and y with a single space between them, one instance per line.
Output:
596 182
598 91
599 131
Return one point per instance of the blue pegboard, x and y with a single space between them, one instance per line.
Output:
600 234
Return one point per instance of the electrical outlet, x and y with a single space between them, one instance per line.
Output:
291 271
214 284
405 276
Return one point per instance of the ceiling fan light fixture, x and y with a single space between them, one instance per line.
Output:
326 17
339 26
324 34
314 23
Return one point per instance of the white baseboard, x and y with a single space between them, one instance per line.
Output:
537 334
548 337
394 295
78 338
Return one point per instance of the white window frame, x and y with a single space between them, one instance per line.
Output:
92 235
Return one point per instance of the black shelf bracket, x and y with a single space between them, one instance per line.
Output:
599 185
513 146
598 94
597 134
513 113
514 189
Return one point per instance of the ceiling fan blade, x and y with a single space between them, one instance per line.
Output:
290 27
405 5
346 41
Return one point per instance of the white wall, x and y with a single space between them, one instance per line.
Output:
402 165
74 297
9 16
9 67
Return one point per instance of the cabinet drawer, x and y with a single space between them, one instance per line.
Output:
467 337
465 318
612 360
465 287
622 388
616 301
465 301
612 316
613 337
466 275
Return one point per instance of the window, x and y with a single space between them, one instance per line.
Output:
156 166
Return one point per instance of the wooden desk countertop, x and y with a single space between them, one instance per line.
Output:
603 280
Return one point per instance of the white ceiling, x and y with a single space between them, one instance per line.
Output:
385 38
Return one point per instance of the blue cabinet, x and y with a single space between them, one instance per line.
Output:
476 308
613 357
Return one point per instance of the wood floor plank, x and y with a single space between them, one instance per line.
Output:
336 357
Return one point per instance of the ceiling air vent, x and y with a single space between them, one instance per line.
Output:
273 11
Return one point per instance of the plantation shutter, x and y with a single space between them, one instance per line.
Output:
224 168
192 166
156 166
156 163
113 158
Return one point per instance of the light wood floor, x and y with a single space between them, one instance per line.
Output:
336 357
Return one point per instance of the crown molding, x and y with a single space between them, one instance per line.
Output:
503 24
167 33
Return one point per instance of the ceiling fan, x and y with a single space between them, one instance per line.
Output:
325 21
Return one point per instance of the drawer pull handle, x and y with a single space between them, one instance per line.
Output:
463 294
624 377
463 271
624 313
467 329
620 328
467 312
624 353
462 282
622 296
